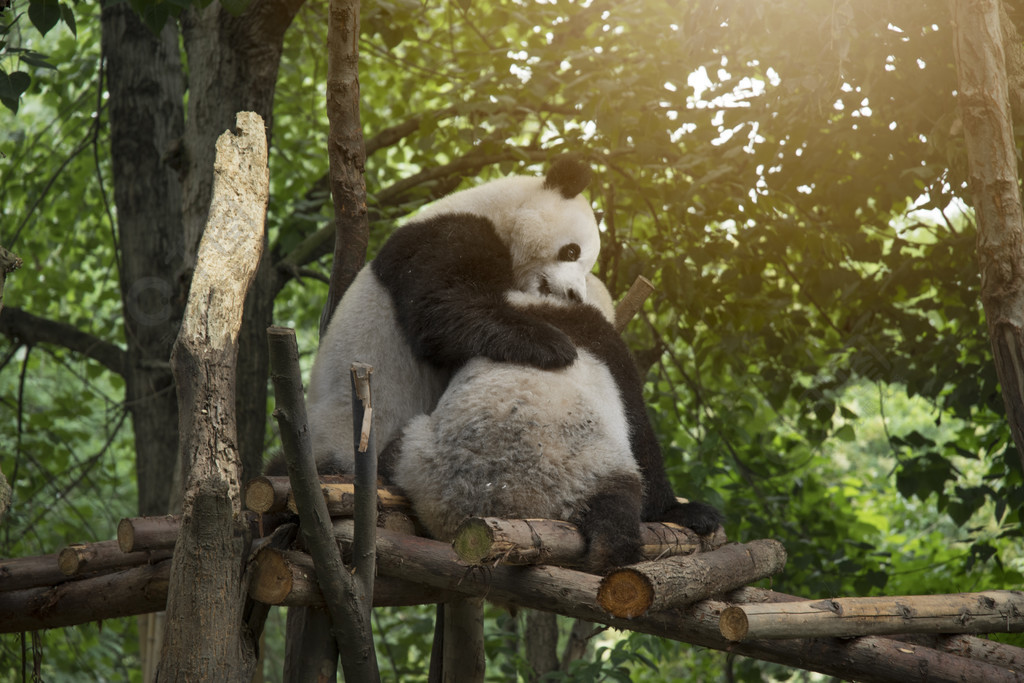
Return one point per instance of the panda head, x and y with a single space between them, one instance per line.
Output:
547 224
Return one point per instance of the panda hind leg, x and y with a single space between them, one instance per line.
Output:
702 518
611 523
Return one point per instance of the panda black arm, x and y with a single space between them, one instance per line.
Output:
447 277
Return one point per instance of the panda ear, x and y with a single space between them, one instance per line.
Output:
569 175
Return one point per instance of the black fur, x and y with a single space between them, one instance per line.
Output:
589 329
568 175
447 277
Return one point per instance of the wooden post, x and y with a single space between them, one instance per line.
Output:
345 600
986 612
204 638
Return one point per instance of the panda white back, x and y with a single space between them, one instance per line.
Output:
513 441
434 298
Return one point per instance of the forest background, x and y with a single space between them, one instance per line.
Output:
791 176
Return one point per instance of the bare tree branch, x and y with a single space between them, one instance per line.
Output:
33 329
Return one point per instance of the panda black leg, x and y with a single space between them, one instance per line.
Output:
611 524
702 518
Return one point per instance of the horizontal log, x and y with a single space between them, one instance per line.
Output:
273 494
672 582
288 577
116 594
160 532
987 612
340 499
80 559
148 533
572 593
29 572
491 540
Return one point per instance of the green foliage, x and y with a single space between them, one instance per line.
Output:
792 181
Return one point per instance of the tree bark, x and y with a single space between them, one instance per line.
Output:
991 155
988 612
147 122
345 151
541 643
204 639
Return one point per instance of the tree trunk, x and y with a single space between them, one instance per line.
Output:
991 155
204 638
147 120
345 151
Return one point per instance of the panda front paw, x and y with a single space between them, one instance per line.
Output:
544 347
702 518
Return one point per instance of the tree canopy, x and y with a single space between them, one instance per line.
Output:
791 176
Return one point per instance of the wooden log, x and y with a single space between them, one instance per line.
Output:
654 586
117 594
490 540
87 558
267 494
29 572
572 593
288 577
632 302
988 612
148 533
340 498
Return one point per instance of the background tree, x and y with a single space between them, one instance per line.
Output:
792 179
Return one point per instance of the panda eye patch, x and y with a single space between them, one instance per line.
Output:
570 252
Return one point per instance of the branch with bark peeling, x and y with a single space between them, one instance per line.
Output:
206 582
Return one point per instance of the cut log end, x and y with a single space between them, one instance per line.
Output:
625 594
733 623
70 559
473 541
126 535
272 579
260 496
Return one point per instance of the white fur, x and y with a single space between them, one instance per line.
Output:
364 330
533 222
514 441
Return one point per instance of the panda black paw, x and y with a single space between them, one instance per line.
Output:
702 518
545 347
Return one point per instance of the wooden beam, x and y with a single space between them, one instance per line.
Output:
490 540
988 612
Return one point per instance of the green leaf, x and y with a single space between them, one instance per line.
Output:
11 88
44 14
68 17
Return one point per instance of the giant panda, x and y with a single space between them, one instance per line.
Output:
435 297
572 443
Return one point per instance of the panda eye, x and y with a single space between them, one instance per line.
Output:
570 252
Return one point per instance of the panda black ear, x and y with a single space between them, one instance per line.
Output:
569 175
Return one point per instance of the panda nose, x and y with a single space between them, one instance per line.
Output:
574 296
